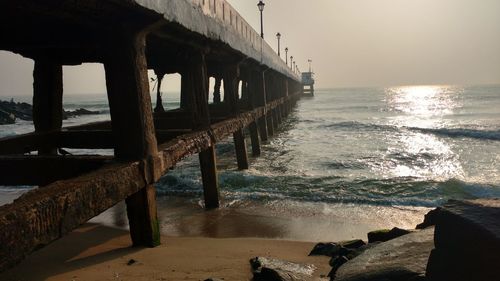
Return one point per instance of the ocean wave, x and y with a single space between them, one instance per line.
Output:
404 191
460 133
354 125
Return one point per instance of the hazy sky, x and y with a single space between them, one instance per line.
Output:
351 42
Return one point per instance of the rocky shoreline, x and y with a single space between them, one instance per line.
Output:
10 111
459 241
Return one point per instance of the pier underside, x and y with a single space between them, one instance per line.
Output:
129 38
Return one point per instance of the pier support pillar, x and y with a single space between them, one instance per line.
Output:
159 103
262 101
133 128
254 136
208 164
270 123
231 78
217 85
241 150
262 123
195 87
47 98
230 75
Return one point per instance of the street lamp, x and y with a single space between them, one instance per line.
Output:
286 56
310 61
261 9
291 61
278 35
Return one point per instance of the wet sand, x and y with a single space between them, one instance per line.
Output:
96 252
199 244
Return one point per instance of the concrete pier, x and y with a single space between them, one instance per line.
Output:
194 38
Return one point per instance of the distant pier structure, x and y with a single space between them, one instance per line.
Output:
308 82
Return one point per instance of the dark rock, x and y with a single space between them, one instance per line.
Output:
78 112
336 263
325 249
352 244
429 219
22 110
467 242
268 269
356 252
214 279
386 234
7 118
401 258
131 262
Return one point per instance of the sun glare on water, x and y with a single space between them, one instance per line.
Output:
413 152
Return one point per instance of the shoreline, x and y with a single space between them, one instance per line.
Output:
96 252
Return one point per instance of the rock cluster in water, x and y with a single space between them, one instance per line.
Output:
10 111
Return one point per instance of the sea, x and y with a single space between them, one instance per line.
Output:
346 161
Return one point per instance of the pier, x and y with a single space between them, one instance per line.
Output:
197 39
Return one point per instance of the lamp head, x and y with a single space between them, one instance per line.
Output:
261 5
278 35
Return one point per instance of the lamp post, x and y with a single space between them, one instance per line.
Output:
310 61
291 61
261 9
286 56
278 35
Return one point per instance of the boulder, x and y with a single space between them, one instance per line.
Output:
78 112
399 259
429 219
352 244
386 234
325 249
269 269
467 242
336 263
7 118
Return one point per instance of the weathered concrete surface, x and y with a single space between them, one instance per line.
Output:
467 241
399 259
215 24
46 214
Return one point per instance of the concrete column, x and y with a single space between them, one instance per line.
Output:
159 103
260 97
252 103
241 150
208 164
218 84
270 123
133 128
184 95
254 136
230 75
196 89
47 98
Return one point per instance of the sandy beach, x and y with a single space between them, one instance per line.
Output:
96 252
